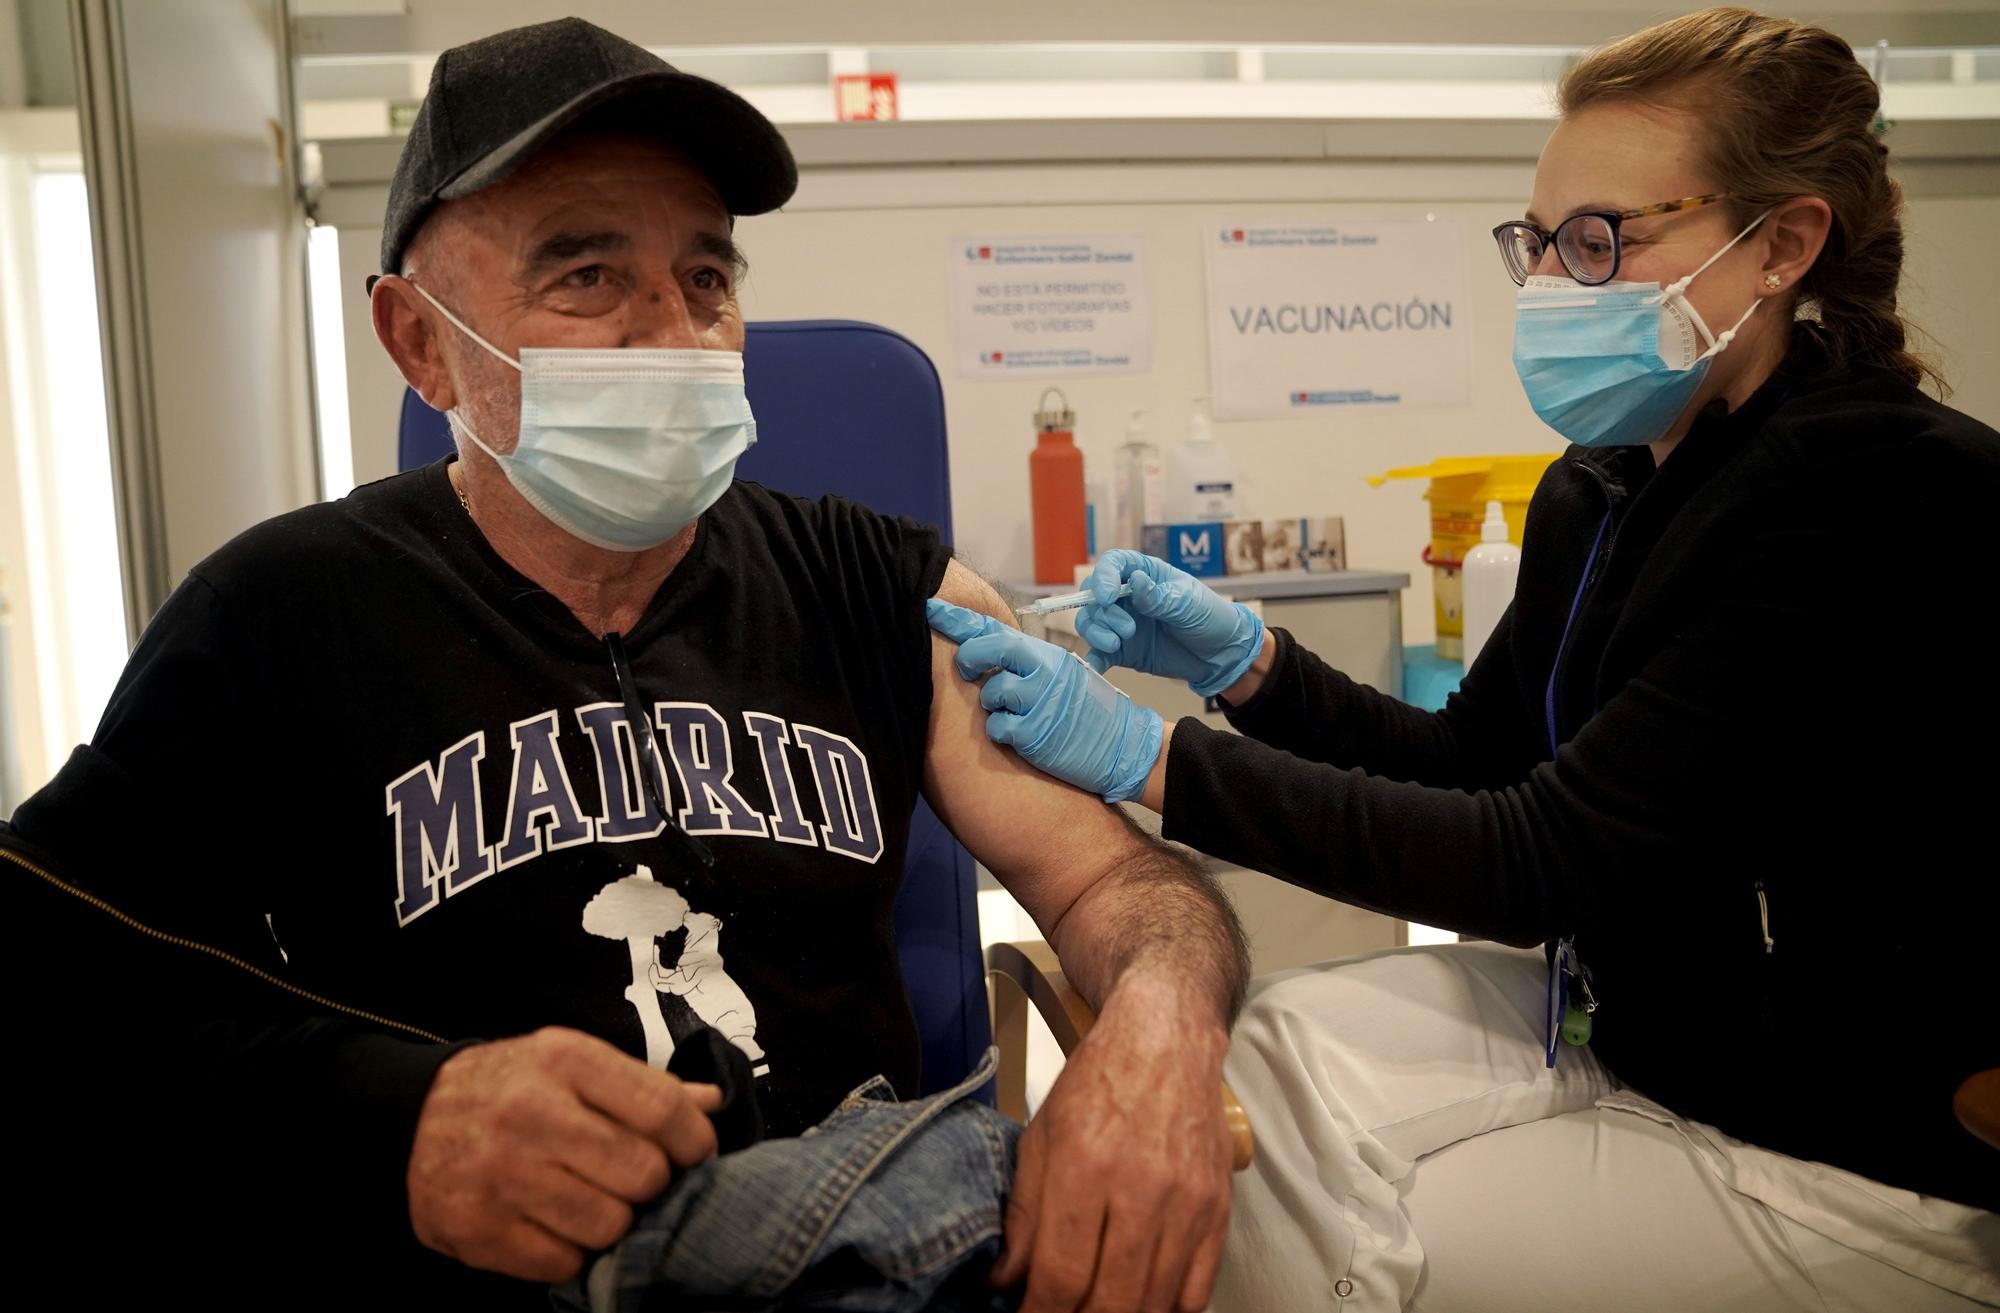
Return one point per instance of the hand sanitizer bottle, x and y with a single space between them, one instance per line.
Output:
1201 479
1490 570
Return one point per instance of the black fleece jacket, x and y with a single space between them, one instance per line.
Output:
1761 667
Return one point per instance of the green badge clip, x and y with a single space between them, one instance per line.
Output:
1576 1026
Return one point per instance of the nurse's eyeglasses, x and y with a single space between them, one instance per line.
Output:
1587 244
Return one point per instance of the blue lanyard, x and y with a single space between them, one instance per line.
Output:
1569 1018
1549 699
1560 966
1564 958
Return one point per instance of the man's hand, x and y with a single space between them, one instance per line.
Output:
531 1151
1121 1194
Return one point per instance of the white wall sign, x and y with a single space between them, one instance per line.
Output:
1308 317
1049 307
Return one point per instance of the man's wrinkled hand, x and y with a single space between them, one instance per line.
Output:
530 1152
1121 1193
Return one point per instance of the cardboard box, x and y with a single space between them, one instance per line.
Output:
1217 550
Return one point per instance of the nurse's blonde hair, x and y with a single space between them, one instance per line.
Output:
1788 112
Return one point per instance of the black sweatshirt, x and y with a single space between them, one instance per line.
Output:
361 753
1763 666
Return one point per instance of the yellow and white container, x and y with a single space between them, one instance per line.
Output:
1460 488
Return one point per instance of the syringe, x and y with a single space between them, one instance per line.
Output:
1068 601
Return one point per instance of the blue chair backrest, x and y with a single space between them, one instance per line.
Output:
854 409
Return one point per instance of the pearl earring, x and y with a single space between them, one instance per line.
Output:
1772 280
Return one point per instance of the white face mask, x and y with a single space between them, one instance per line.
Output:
624 447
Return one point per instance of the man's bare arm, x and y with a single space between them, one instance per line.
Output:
1108 898
1120 1196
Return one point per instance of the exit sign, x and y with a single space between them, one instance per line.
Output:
864 97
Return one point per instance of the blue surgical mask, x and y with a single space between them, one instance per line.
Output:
1615 365
621 448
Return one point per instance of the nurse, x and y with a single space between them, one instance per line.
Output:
1732 757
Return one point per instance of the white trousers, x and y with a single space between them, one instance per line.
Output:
1414 1152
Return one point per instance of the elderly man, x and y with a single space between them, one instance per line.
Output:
441 739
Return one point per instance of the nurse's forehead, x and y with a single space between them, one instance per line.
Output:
1617 156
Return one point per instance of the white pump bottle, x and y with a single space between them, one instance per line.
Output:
1490 571
1201 479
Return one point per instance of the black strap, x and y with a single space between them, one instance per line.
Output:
705 1056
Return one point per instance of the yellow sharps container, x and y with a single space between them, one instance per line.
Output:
1460 488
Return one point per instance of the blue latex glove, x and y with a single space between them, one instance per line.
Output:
1171 625
1061 716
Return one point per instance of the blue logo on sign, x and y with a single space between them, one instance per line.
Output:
1196 550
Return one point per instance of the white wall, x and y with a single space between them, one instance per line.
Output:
224 269
151 340
832 255
362 27
1951 291
892 268
374 388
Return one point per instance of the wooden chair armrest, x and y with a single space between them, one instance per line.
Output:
1032 975
1977 1104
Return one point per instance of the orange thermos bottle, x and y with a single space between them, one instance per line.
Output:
1055 493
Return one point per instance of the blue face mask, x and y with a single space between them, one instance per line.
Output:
1615 365
621 448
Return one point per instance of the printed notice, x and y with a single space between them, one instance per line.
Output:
1305 316
1050 307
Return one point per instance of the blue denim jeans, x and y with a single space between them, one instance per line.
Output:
884 1207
